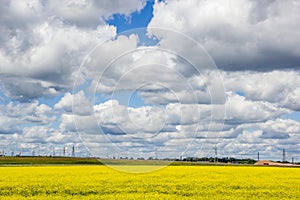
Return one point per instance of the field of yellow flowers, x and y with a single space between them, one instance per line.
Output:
173 182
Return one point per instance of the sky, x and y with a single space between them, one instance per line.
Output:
137 78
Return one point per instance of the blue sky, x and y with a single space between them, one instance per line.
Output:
65 82
138 19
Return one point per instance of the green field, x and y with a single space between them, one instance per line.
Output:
173 182
45 160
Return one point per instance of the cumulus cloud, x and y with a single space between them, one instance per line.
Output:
41 140
278 87
204 88
159 76
52 56
27 89
91 12
8 125
130 120
280 128
128 127
81 13
268 138
238 35
76 104
30 112
14 116
98 61
240 110
43 44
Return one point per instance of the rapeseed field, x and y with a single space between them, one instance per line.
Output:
173 182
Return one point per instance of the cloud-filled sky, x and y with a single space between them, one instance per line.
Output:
137 78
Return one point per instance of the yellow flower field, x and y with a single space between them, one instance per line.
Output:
174 182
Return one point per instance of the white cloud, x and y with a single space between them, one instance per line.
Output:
127 120
79 123
98 61
14 116
91 12
159 76
203 88
9 125
240 110
76 104
26 89
78 12
53 55
47 45
280 128
126 127
20 13
278 87
237 34
29 112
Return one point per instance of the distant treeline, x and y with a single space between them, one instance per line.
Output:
218 160
225 160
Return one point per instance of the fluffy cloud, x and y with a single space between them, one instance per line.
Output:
40 134
39 140
130 120
76 104
268 138
49 61
13 116
279 87
45 46
99 60
128 128
239 110
30 112
159 76
77 12
8 125
238 35
204 88
91 12
25 89
280 129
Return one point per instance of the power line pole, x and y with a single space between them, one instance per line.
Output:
257 156
216 154
292 160
64 151
73 151
283 155
53 151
